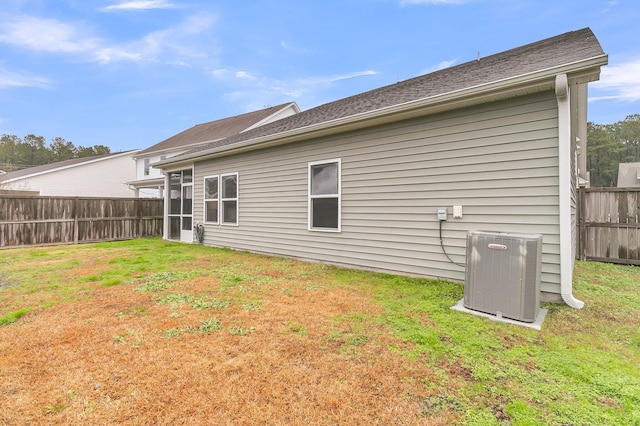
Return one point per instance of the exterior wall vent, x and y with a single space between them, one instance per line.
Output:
503 274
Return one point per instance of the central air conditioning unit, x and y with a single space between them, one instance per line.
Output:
503 274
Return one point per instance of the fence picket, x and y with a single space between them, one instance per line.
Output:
36 220
609 228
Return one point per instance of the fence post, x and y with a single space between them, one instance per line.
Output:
140 217
582 231
75 221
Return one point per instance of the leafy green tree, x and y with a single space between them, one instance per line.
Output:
102 149
35 149
89 151
62 149
603 153
8 152
609 145
628 133
16 153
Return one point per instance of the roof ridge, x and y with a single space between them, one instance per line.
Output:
199 133
552 52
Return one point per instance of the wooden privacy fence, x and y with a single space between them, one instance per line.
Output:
609 230
36 220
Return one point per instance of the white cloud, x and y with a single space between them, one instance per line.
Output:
172 45
245 75
9 79
116 54
354 75
440 66
48 35
620 82
141 5
256 90
335 78
220 73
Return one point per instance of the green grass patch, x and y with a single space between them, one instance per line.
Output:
46 276
176 300
210 325
577 370
241 331
583 367
163 280
12 317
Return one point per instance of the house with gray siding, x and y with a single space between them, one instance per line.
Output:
359 181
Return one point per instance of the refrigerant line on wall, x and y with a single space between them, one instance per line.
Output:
462 265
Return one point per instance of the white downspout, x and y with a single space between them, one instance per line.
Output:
564 157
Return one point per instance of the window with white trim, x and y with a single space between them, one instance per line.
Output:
147 166
221 199
324 196
211 199
229 198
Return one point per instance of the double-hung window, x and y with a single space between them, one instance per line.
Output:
211 199
221 199
147 166
229 198
324 196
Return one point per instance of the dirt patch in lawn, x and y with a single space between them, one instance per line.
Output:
278 345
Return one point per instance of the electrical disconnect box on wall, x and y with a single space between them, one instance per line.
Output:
503 274
457 212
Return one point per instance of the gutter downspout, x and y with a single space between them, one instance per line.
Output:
564 156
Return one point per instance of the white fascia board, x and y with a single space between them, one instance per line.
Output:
178 166
274 117
587 69
143 182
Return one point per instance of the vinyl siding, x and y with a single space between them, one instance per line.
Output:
101 178
499 161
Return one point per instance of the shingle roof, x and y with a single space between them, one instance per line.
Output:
553 52
60 164
214 130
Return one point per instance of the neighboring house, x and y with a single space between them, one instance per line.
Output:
149 181
628 175
359 181
97 176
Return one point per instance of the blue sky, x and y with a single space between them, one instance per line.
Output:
130 73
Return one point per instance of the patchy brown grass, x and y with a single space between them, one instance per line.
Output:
292 348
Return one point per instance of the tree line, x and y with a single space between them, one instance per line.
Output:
609 145
19 153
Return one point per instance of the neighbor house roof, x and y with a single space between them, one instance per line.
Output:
47 168
476 81
218 129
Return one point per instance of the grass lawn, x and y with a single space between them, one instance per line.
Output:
152 332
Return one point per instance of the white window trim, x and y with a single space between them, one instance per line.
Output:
146 167
204 206
222 200
311 197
